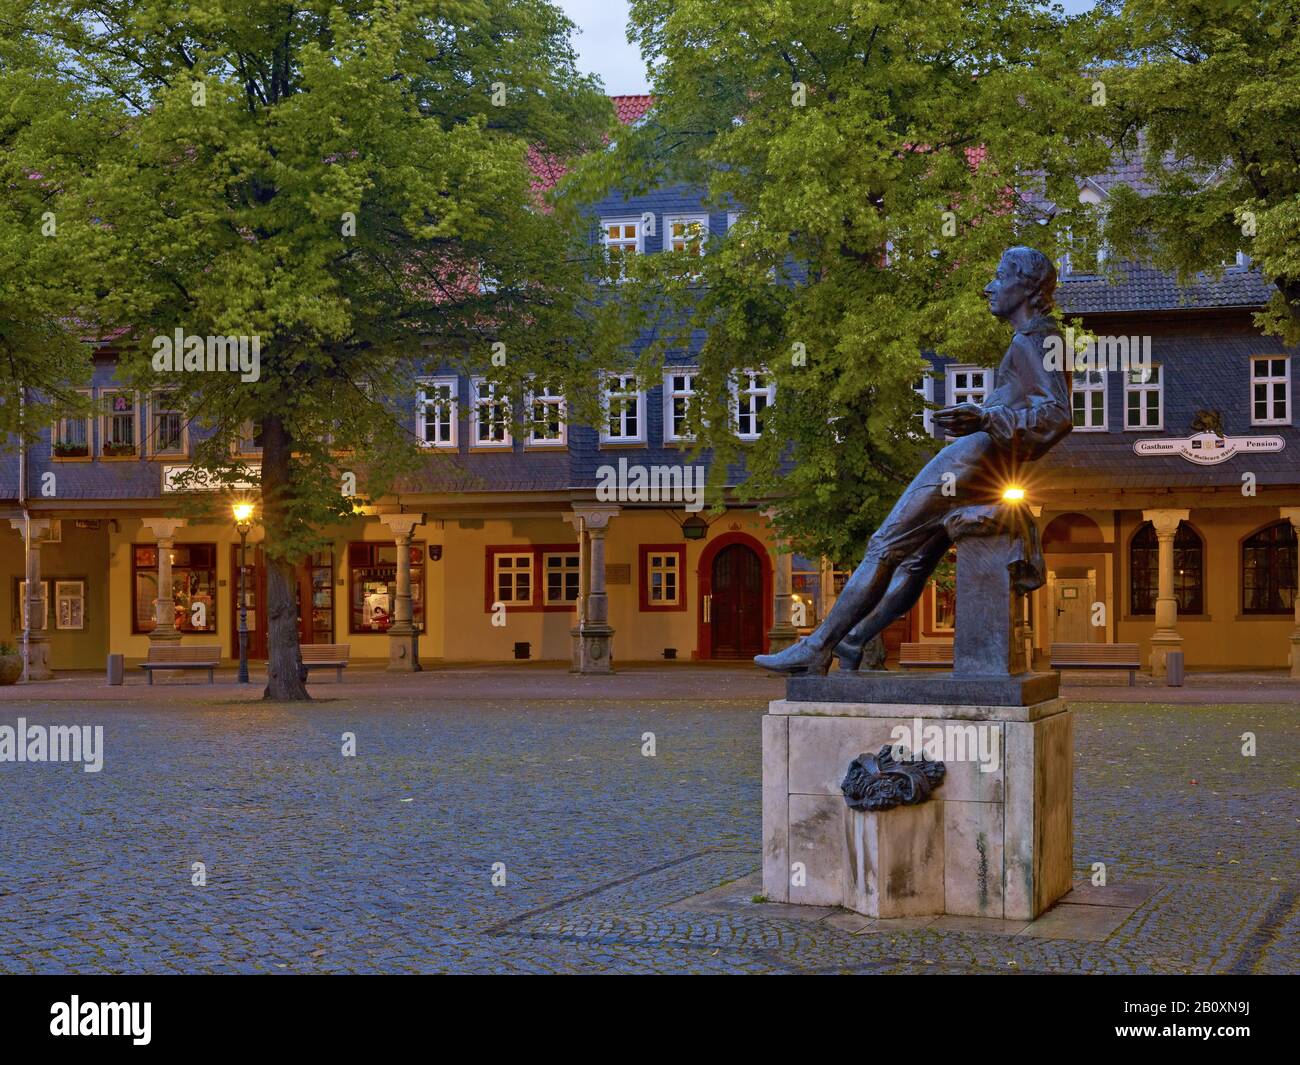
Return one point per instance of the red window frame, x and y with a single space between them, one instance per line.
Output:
537 605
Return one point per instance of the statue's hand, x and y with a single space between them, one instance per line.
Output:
961 420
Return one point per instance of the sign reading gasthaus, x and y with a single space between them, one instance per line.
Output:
1209 449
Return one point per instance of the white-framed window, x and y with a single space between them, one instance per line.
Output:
663 578
968 384
490 417
1144 406
250 439
622 238
1270 390
755 391
686 233
560 570
679 395
924 387
70 604
1086 254
1088 399
513 575
119 432
546 425
70 438
436 412
624 404
166 425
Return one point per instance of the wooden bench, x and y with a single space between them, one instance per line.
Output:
1097 656
326 656
920 655
178 657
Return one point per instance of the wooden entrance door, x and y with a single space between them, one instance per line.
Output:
1073 612
254 597
314 589
737 603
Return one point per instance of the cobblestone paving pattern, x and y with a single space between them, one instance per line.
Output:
383 862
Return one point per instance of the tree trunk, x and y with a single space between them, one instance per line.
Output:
284 674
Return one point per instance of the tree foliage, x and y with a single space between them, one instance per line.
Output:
43 353
1209 96
349 183
875 153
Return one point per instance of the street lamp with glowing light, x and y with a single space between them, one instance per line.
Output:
243 513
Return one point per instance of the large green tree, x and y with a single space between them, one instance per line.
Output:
44 356
1208 95
876 154
350 184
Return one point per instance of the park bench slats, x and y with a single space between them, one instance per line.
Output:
181 657
915 655
326 656
1097 656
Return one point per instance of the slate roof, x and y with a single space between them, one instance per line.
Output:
1208 372
1123 286
1137 287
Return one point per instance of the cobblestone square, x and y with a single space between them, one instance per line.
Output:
384 862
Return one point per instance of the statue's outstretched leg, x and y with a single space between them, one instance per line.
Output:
905 589
813 653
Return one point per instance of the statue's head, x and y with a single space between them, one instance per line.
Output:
1025 277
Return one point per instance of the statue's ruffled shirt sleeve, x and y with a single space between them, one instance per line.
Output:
1031 427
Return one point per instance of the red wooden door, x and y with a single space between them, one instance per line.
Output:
314 586
254 596
737 606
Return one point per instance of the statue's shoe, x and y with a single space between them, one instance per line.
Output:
797 658
849 656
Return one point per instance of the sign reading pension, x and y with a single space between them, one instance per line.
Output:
193 479
1208 449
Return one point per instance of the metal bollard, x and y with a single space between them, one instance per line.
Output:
1174 669
116 668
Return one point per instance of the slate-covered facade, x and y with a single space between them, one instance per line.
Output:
498 564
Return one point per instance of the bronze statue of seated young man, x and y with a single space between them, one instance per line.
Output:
956 493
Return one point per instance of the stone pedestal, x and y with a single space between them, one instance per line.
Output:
1166 637
989 632
403 636
995 839
593 636
783 632
164 532
35 637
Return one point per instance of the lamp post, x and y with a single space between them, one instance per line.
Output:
243 525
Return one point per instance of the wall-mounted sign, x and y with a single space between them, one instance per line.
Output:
1209 449
193 479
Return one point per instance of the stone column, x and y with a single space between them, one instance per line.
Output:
403 636
36 639
163 530
782 633
1293 515
593 649
1166 637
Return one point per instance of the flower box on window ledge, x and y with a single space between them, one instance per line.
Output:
71 451
118 450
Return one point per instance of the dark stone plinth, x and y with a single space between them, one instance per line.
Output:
942 686
989 609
